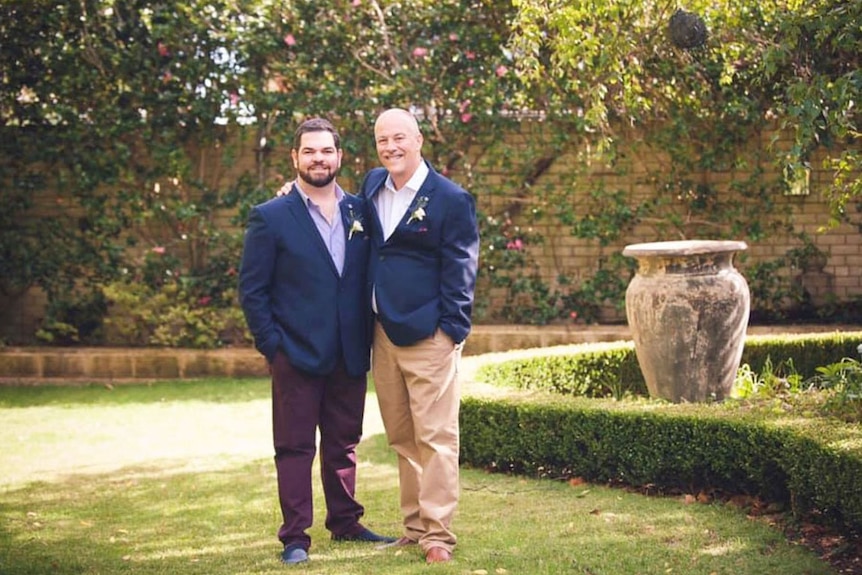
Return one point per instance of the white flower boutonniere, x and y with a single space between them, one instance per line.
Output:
418 212
355 225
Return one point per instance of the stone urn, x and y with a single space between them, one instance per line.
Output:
687 309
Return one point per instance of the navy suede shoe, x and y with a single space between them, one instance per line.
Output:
365 536
293 554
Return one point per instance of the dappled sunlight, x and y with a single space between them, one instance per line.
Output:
725 547
220 546
189 487
186 436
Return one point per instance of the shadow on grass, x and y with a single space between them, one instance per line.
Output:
157 517
151 519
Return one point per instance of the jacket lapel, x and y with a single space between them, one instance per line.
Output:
350 213
374 186
297 207
423 199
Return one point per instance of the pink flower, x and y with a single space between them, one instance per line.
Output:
573 315
463 106
356 3
501 71
163 50
515 245
231 271
420 52
158 250
470 82
234 98
470 55
453 37
205 300
290 40
466 117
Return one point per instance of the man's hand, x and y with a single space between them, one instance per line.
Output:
285 189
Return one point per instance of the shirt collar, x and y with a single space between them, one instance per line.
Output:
339 194
415 182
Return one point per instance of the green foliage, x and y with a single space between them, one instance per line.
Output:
609 372
807 352
770 382
73 319
122 122
844 380
669 446
789 68
173 315
796 64
771 291
612 370
749 444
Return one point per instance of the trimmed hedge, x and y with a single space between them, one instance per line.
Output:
613 370
812 464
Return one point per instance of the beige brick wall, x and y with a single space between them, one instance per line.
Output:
561 253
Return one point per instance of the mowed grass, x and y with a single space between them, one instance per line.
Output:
177 478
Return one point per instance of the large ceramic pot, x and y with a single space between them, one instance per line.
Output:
687 308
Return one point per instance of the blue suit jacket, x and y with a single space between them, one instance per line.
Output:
425 273
292 295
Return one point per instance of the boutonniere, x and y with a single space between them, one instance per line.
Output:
418 211
355 223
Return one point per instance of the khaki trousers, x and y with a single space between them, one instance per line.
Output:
419 397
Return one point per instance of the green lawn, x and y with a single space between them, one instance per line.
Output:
177 478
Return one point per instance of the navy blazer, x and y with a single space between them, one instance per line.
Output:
292 295
425 273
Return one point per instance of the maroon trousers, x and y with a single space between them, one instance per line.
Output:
302 403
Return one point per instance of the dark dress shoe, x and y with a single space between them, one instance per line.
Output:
365 536
438 555
293 554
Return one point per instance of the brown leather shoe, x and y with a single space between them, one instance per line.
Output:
438 555
400 542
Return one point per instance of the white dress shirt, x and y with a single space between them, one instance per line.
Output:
392 204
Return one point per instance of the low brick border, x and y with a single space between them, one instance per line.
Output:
49 364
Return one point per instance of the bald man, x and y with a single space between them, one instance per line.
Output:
423 264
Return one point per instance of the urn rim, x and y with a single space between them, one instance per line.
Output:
683 248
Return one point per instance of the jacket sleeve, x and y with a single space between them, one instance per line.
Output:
459 265
255 277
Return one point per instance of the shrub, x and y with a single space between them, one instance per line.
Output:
782 451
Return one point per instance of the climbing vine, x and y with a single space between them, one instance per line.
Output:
123 122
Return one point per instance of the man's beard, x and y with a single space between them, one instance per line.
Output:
317 181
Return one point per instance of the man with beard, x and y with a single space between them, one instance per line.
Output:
303 289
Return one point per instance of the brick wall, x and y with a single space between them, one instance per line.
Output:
561 253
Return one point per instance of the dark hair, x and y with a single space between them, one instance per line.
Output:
316 125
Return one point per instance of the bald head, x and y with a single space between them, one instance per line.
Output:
399 144
398 116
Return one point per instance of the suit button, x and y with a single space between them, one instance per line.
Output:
382 258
